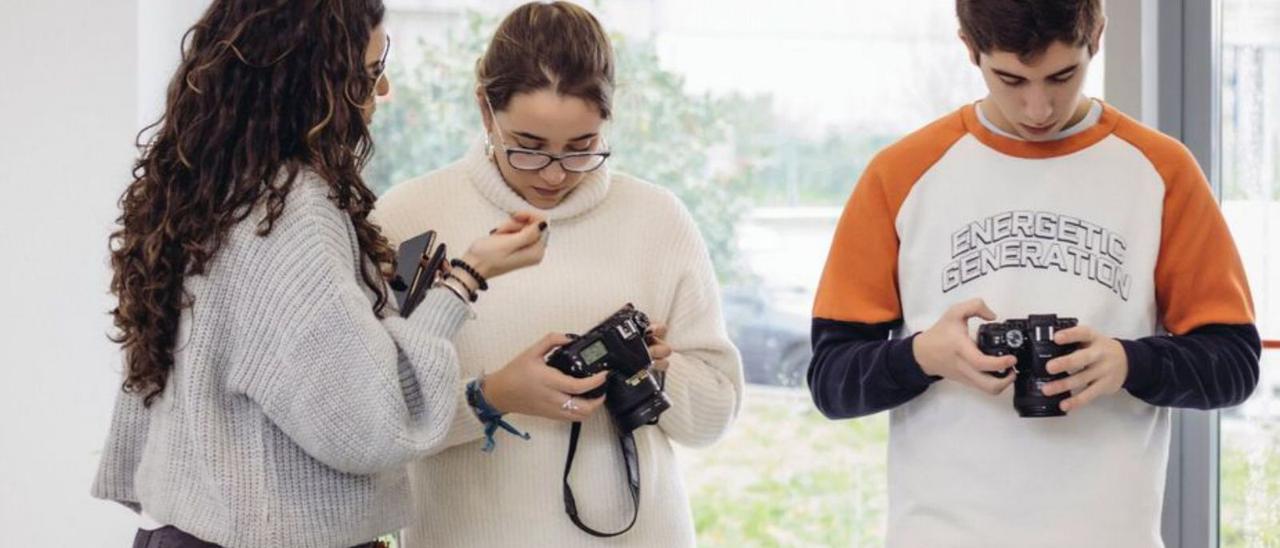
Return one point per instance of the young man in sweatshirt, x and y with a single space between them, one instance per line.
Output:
1034 200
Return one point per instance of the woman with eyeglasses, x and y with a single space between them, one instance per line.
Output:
271 397
544 91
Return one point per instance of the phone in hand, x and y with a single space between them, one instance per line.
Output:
420 259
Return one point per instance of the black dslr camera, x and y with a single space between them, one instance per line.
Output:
618 345
1031 341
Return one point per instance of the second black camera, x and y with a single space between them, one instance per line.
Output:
1030 340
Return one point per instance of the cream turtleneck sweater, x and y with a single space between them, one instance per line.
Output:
614 240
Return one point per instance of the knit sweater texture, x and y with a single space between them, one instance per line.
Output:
291 407
613 240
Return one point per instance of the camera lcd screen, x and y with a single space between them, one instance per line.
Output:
594 352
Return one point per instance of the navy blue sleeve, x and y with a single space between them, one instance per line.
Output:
857 370
1209 367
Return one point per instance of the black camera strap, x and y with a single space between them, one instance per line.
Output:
632 462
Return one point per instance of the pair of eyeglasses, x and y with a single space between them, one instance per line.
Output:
523 159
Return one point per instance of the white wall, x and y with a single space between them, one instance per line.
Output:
69 110
161 24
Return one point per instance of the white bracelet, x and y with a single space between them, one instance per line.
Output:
456 292
471 311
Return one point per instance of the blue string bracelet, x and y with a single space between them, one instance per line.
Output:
491 417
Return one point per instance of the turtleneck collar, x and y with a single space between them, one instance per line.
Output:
488 181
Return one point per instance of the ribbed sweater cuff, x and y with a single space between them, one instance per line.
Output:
466 427
703 402
1143 373
441 313
903 367
106 486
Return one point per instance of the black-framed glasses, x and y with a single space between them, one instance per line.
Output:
536 160
523 159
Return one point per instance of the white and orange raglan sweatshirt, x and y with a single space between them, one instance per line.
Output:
1114 225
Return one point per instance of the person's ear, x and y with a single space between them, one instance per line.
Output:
1095 41
973 52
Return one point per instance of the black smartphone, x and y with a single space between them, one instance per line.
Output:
408 259
428 268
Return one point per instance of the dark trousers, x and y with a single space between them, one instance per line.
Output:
172 537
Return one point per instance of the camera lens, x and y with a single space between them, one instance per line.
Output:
634 401
1029 401
1014 338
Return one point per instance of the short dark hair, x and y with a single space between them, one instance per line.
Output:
1028 27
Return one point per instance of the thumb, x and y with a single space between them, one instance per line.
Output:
523 238
510 226
528 217
985 311
975 307
548 343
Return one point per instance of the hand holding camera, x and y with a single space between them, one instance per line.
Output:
1100 364
619 346
946 350
1055 356
658 348
528 387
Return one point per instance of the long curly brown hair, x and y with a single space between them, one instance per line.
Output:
265 90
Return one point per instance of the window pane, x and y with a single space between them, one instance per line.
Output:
760 115
1250 453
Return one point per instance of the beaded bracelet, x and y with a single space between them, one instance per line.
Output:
461 264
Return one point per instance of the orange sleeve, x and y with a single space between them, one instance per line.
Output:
860 280
1199 277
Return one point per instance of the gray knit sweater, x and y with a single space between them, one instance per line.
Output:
291 407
